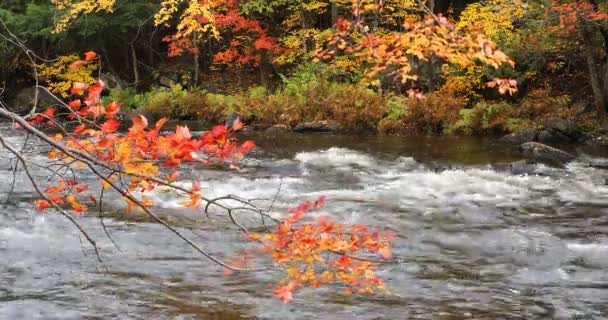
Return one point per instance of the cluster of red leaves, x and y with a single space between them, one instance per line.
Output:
137 155
250 41
422 38
569 14
324 252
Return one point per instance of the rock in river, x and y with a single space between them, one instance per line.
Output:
544 152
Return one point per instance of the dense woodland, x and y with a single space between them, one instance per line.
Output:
364 65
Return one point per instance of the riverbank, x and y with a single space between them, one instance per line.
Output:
350 108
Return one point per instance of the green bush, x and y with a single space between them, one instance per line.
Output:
128 98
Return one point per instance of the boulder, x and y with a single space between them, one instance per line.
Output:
555 130
552 136
559 130
567 127
318 126
544 152
277 129
23 102
166 82
521 136
598 140
112 81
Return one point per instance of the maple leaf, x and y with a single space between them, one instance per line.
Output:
111 125
139 124
50 112
194 202
81 188
75 104
112 109
89 55
77 64
182 133
284 293
219 131
42 204
160 123
246 147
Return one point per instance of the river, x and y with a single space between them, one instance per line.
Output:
474 241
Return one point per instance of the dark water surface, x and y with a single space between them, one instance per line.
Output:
475 241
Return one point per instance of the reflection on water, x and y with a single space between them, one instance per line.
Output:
474 242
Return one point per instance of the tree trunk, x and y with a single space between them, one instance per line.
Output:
599 82
197 57
135 68
334 12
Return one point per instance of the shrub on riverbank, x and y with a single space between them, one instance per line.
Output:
351 107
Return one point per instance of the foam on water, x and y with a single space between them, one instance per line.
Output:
467 236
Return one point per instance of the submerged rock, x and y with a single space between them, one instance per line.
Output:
598 140
522 136
544 152
277 129
317 126
521 167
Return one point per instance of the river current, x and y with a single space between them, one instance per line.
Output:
474 240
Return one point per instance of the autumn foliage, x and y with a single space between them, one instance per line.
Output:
321 251
139 154
144 158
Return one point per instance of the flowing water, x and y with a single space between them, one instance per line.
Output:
475 241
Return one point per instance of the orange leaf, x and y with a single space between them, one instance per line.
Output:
160 123
90 55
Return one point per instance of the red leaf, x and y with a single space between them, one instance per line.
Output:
219 131
90 55
79 128
81 188
207 138
50 112
75 104
112 109
42 204
110 126
246 146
